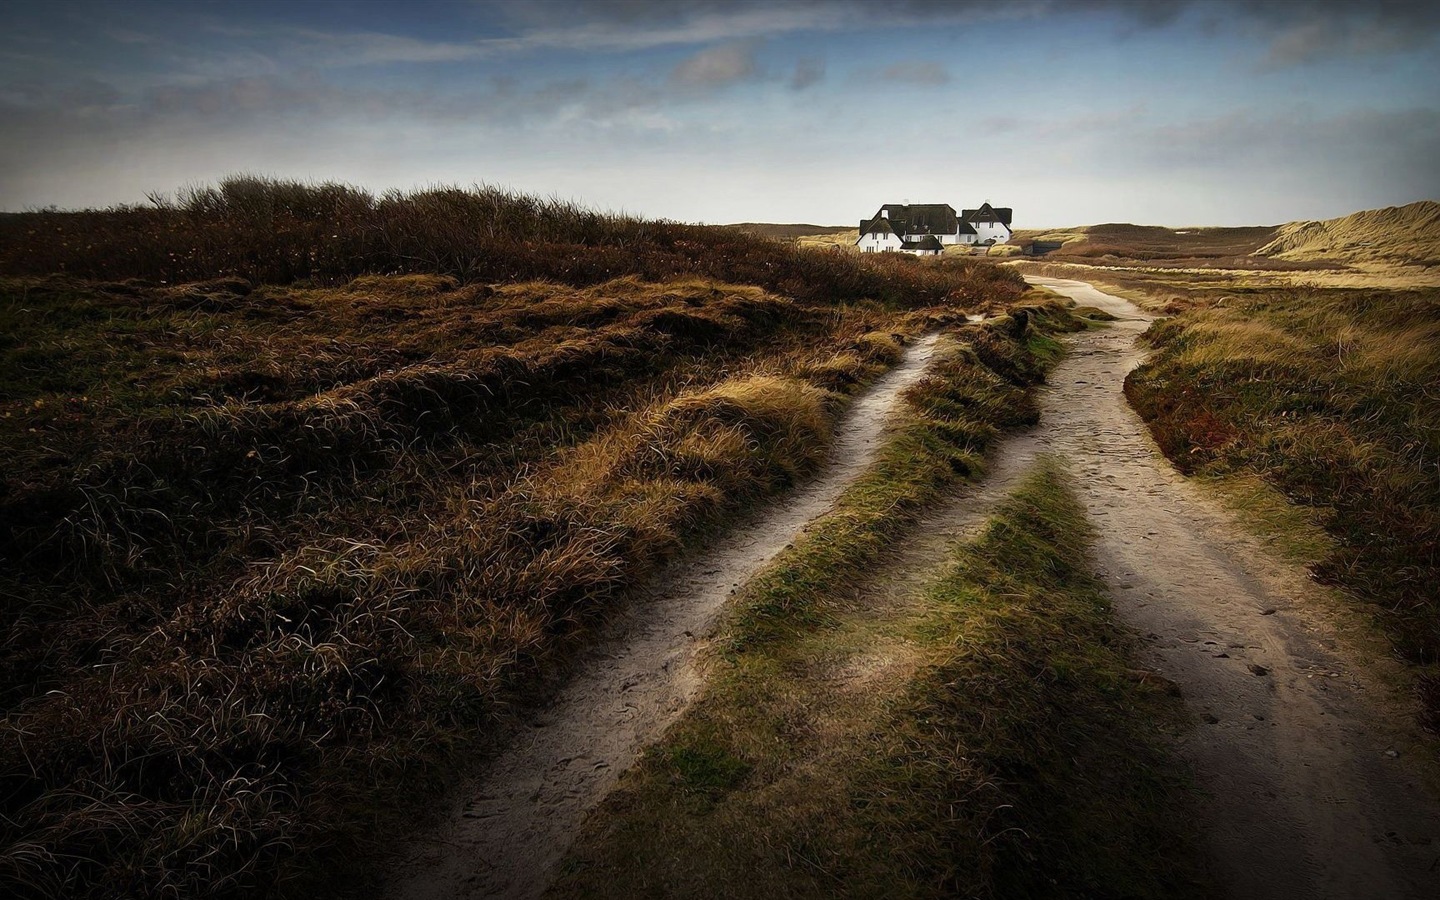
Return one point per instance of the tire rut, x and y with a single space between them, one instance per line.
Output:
1307 793
505 834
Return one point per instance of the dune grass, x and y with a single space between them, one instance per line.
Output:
988 739
1407 234
281 545
278 232
1329 395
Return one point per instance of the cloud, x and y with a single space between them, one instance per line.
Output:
631 25
931 74
809 72
718 67
360 48
1295 32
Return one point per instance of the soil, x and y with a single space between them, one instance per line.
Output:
509 830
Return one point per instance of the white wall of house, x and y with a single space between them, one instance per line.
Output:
997 231
878 243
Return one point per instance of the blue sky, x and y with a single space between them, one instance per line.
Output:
1179 112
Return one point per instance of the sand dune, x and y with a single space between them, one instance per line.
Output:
1409 233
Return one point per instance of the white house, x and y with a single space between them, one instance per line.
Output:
925 229
990 223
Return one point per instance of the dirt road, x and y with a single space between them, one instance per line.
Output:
1312 789
511 829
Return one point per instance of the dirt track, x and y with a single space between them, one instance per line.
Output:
1312 782
1312 788
513 826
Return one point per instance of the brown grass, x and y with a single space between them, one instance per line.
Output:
1159 248
278 232
273 551
984 739
1399 234
1330 396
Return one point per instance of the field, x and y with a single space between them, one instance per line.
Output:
1318 383
311 495
1393 248
985 738
1329 396
307 490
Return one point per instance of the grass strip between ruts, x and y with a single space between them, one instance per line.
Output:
990 738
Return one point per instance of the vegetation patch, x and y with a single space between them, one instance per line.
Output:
989 739
305 489
1329 396
279 232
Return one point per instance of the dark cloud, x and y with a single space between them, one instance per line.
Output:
1297 31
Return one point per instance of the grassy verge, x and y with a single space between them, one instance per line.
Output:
274 551
1329 396
987 738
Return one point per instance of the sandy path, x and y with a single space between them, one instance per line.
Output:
1311 789
513 826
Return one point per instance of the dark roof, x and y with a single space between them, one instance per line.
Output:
928 242
967 228
877 225
988 213
921 218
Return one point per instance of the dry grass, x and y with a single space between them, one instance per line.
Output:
1330 396
1155 248
986 740
278 232
274 552
1409 235
793 232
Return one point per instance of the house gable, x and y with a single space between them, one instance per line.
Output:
928 244
877 225
988 213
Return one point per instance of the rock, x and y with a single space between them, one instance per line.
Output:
1268 612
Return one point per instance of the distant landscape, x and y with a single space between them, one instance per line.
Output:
314 498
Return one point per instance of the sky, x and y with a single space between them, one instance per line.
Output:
1175 112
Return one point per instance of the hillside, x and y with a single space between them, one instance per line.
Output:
789 232
307 490
1122 243
1399 234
